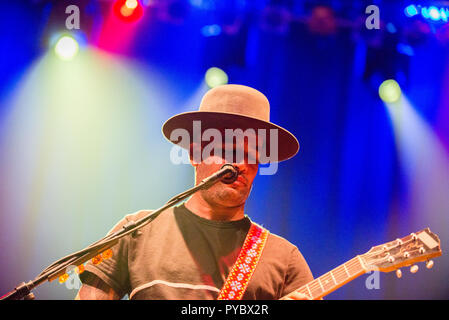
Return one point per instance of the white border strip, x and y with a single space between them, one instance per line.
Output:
174 285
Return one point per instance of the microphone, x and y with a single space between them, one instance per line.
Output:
232 173
227 174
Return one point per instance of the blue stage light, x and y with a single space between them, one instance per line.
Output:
411 11
211 30
405 49
425 12
434 14
444 14
391 28
203 4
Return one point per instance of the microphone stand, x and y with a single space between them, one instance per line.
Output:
227 174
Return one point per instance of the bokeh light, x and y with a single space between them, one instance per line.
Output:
128 10
66 48
215 77
434 13
411 11
131 4
390 91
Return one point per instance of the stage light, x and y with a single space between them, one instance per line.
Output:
425 12
322 21
434 14
125 11
444 15
391 28
411 11
131 4
211 30
206 5
405 49
66 48
215 77
390 91
128 10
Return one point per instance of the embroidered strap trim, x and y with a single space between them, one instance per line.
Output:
240 274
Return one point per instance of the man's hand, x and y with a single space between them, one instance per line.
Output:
295 295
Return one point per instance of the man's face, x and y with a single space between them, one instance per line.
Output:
236 193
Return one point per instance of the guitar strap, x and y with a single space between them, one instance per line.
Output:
245 265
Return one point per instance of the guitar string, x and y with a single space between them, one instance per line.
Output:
318 285
315 284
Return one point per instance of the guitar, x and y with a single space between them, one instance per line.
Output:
416 247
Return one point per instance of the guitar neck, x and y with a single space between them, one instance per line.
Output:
334 279
416 247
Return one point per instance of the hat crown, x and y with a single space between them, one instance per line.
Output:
233 106
237 99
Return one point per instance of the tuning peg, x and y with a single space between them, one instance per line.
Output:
429 264
414 268
398 273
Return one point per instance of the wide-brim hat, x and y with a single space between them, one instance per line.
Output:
232 107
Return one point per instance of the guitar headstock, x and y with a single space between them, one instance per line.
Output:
416 247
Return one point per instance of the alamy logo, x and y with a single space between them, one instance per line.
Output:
373 280
232 145
72 282
373 20
73 20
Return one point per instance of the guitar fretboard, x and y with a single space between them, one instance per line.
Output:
334 279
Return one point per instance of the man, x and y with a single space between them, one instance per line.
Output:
208 248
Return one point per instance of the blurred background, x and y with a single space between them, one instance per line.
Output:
82 105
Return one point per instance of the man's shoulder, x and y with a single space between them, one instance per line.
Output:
280 242
288 253
276 241
135 216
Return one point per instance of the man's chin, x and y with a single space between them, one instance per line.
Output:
233 197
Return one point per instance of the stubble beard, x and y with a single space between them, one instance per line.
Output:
222 195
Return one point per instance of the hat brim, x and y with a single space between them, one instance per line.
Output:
288 145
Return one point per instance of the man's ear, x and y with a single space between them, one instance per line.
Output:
195 154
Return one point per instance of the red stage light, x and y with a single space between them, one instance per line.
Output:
128 10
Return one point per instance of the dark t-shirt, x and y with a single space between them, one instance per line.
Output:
183 256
